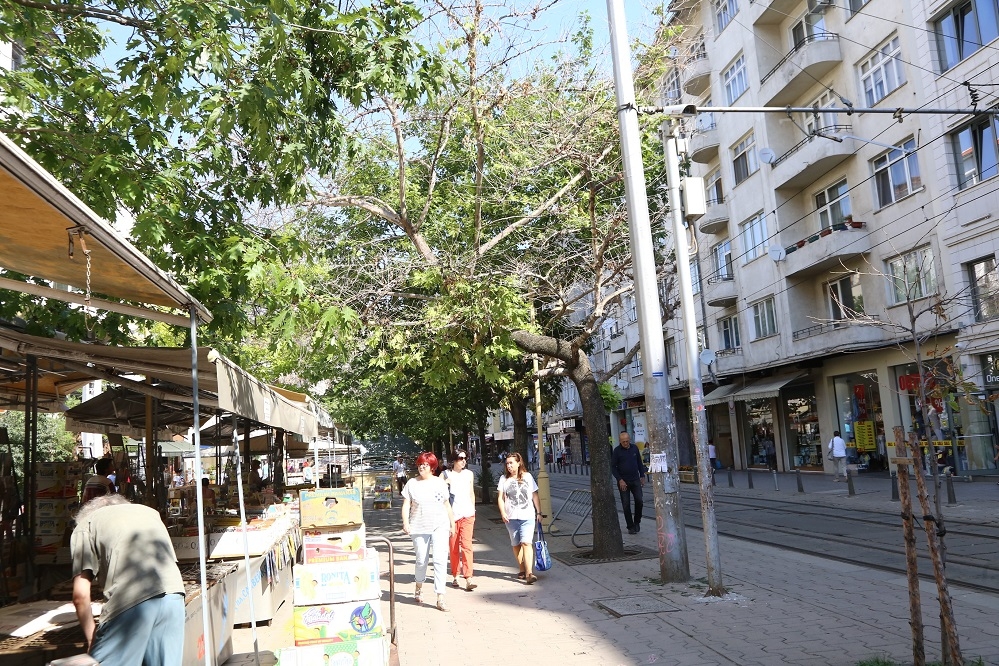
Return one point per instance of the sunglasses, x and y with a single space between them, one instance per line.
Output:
461 457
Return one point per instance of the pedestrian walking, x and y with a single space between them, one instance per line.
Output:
520 507
427 518
629 470
461 482
308 472
399 469
127 549
712 454
771 452
837 451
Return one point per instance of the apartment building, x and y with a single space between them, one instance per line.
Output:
825 228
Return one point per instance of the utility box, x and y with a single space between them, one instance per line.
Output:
694 200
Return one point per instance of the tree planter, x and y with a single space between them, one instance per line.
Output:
688 476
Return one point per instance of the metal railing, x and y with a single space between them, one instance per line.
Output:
808 139
826 327
809 39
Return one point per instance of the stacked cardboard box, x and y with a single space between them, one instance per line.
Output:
337 595
56 499
383 492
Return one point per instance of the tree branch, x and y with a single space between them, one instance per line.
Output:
86 12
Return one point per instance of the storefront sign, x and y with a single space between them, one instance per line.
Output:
860 397
864 436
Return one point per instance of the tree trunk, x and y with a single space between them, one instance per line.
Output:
518 410
485 475
911 564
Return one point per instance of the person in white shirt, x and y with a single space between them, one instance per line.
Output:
837 448
461 481
399 469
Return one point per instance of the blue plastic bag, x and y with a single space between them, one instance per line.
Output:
542 558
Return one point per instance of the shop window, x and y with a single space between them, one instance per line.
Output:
764 319
803 437
859 419
913 275
984 281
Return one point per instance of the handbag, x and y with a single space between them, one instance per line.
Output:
542 558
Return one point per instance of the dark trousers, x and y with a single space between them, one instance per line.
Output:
634 489
400 482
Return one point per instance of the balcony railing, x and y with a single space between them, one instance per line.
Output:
731 351
817 37
826 327
845 225
829 129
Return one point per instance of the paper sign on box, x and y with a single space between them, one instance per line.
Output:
337 582
337 623
332 545
371 651
331 507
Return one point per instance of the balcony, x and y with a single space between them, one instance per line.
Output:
729 360
808 62
828 248
702 146
839 335
618 342
721 292
810 158
698 75
715 220
774 11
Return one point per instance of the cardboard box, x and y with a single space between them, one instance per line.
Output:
372 651
337 582
337 623
332 545
331 507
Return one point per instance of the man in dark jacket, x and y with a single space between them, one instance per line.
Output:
629 470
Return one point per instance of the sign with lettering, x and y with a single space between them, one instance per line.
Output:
658 464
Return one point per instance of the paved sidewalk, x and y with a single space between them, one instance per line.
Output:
782 607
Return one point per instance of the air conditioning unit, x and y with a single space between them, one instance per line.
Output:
819 6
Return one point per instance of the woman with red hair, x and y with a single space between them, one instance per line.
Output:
427 518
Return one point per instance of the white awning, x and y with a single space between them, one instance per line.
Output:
721 394
768 387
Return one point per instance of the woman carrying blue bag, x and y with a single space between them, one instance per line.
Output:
520 507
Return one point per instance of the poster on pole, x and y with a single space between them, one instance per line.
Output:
658 464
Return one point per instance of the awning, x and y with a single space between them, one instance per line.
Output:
238 392
721 394
769 387
39 219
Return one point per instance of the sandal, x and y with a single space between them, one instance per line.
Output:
417 596
454 584
531 579
522 575
469 585
441 606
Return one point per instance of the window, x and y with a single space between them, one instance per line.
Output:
724 11
671 353
846 300
713 193
984 281
636 364
672 86
736 80
913 275
806 29
975 148
856 5
695 275
896 174
833 204
728 328
722 254
744 159
764 319
964 29
816 121
754 237
882 72
630 313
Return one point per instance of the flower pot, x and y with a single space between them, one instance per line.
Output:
790 248
856 225
825 232
801 243
812 239
839 226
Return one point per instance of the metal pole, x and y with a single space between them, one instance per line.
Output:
199 499
544 485
749 477
849 483
660 419
774 472
700 430
801 487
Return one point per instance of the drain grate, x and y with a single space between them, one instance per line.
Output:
576 558
636 605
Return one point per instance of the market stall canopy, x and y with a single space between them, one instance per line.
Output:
122 410
45 232
55 382
768 387
237 391
721 394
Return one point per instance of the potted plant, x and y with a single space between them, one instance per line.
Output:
856 224
687 474
813 238
802 242
839 226
790 248
826 231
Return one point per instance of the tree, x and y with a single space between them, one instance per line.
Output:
209 114
451 219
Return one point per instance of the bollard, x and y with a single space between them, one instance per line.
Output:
801 488
713 477
951 497
731 483
849 484
894 487
749 476
776 489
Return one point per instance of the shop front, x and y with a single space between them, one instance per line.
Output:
859 418
778 422
801 423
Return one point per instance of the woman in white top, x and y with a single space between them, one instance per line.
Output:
520 507
461 481
427 518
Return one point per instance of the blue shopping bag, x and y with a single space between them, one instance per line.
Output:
542 559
